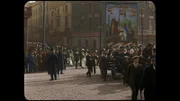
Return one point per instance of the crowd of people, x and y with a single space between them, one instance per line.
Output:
138 64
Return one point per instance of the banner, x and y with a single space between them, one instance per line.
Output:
121 20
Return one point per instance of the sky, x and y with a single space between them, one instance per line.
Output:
115 12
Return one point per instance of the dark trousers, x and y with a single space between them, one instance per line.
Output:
94 69
104 72
101 71
53 76
89 71
80 61
134 90
125 78
76 64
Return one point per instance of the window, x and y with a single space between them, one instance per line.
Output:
52 13
58 11
90 23
79 42
36 11
86 42
141 15
47 7
150 25
90 7
96 23
58 21
39 10
82 21
66 21
52 23
94 43
66 8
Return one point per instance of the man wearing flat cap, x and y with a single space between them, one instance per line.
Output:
134 75
148 82
52 62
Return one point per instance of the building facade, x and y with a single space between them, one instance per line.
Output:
148 22
58 22
77 23
27 15
86 24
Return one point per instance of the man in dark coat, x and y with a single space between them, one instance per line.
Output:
104 64
60 62
52 64
65 58
90 62
148 82
125 68
76 58
135 71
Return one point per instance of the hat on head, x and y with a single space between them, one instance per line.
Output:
126 57
135 57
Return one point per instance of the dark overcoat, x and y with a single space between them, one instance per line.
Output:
148 83
52 63
60 63
134 75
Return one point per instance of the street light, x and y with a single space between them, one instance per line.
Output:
100 26
141 21
44 24
100 34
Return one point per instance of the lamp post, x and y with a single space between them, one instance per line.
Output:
44 24
141 21
100 26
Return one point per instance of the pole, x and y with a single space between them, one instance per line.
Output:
100 31
141 23
44 24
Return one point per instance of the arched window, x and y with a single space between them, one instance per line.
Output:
86 42
94 44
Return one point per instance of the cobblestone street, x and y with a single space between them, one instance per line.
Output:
74 85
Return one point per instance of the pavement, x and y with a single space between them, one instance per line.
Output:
74 85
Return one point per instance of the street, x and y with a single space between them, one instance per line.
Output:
74 85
